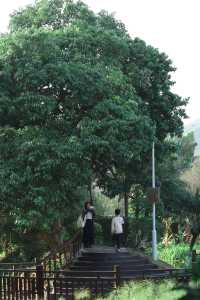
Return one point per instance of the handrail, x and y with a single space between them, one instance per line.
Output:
63 255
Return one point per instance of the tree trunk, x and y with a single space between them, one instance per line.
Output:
90 188
126 217
126 204
137 210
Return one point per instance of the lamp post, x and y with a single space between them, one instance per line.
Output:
154 233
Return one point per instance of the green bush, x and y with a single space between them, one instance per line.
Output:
165 290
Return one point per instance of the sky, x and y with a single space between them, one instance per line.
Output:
172 26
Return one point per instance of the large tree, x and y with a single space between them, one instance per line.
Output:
80 101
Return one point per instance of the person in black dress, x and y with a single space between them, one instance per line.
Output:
88 229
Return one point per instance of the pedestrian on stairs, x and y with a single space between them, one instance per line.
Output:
117 229
88 215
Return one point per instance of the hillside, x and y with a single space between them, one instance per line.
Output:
195 127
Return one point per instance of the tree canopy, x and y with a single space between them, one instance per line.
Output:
80 102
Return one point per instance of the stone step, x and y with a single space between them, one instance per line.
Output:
80 273
110 268
107 259
124 270
143 272
108 254
119 263
69 290
100 262
149 274
111 263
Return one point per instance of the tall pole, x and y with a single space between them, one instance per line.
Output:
154 233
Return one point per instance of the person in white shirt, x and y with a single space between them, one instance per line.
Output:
117 229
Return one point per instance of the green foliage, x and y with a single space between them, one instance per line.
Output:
193 289
177 255
186 150
192 177
82 295
105 223
178 157
194 127
196 269
104 205
192 292
147 290
140 232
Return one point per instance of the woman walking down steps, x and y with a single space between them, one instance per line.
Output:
88 215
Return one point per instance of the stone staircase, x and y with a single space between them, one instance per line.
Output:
131 266
101 269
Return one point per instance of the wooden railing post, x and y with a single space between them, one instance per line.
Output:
40 281
117 275
194 258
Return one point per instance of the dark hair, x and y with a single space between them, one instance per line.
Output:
117 211
86 204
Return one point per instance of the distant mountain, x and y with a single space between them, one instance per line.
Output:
195 127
